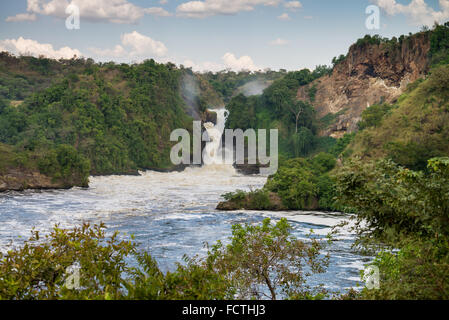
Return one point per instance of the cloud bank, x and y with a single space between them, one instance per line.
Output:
418 11
134 46
113 11
30 47
207 8
229 62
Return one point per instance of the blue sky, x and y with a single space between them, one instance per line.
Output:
208 34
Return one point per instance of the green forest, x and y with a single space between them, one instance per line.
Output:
118 118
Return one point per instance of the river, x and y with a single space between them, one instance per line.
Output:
170 215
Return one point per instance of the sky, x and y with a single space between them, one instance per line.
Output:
208 34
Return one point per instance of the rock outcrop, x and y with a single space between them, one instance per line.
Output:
275 204
209 116
370 74
15 180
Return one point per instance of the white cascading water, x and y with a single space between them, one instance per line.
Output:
213 156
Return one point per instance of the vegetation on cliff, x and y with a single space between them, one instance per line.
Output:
410 132
277 108
394 176
414 129
118 117
59 167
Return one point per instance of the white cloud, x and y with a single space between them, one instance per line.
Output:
22 17
134 46
230 62
284 17
206 8
163 1
23 46
143 45
279 42
238 64
114 11
204 66
116 52
418 11
293 5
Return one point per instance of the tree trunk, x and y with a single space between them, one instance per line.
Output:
270 287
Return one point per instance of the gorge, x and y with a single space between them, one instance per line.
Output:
363 147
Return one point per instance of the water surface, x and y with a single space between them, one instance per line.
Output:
170 214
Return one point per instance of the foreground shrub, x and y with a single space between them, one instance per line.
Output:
268 262
418 271
39 269
405 213
261 261
392 202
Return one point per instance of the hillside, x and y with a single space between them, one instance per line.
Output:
118 117
21 77
387 99
412 130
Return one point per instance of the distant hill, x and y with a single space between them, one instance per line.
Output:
117 117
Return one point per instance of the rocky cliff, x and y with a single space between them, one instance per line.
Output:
17 180
371 73
21 170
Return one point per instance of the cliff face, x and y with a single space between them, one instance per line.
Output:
17 180
370 74
21 170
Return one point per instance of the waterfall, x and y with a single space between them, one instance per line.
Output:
213 152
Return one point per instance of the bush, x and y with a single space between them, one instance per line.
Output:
438 82
302 183
341 144
372 117
439 44
412 155
66 164
336 61
238 195
406 210
261 261
393 202
268 262
38 270
192 281
417 272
